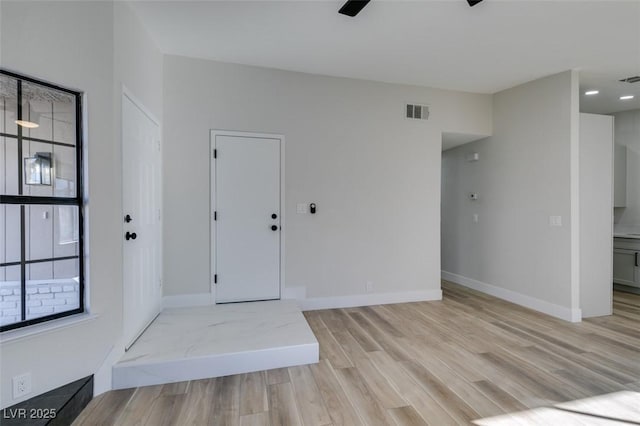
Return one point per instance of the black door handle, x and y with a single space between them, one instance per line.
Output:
127 218
130 236
274 216
274 228
637 260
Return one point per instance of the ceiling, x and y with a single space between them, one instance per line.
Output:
607 101
445 44
451 140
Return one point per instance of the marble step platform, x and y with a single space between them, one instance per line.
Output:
213 341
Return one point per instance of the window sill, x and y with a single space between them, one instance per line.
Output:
38 329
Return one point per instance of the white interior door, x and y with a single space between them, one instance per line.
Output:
246 200
142 233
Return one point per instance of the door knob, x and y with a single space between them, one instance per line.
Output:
130 236
274 228
274 216
127 218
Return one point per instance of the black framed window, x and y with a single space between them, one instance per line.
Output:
41 200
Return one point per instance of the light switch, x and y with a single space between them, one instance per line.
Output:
301 208
475 218
555 220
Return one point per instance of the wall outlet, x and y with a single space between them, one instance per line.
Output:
555 220
476 218
368 286
473 156
21 385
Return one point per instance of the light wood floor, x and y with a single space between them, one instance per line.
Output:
467 357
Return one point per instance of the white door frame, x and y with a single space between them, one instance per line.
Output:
212 201
129 95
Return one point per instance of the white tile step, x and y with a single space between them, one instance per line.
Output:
213 341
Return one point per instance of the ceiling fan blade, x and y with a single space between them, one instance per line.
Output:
473 2
353 7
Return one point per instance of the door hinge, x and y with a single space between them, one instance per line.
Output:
215 278
215 215
215 153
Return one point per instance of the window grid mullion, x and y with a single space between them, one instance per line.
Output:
32 261
23 254
31 200
29 138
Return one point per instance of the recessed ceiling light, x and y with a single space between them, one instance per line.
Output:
626 97
27 124
591 92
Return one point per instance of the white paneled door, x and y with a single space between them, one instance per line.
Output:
246 197
142 233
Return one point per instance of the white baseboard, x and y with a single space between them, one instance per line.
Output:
298 293
562 312
314 303
355 300
185 300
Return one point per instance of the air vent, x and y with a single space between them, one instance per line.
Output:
635 79
417 112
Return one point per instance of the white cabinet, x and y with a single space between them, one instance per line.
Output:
626 262
620 176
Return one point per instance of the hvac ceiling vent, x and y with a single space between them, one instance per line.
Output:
635 79
417 112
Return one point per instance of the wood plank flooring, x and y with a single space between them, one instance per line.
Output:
467 357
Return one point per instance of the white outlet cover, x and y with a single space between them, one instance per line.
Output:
21 385
555 220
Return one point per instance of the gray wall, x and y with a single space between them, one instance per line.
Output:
596 215
374 175
523 177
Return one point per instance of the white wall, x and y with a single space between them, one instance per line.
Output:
72 44
374 175
596 216
137 65
627 133
137 62
523 177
